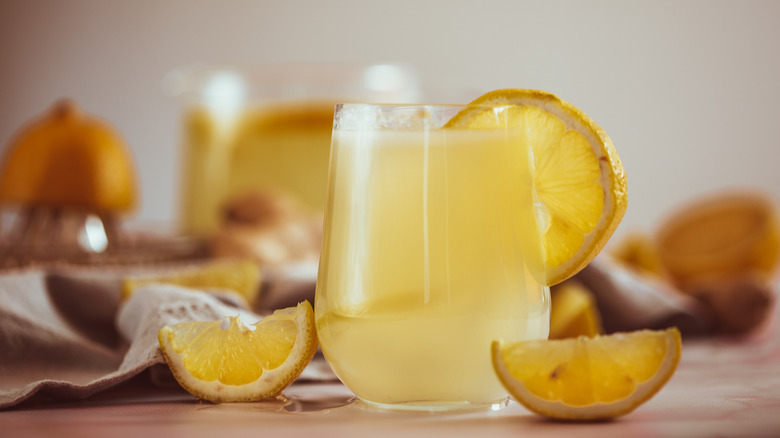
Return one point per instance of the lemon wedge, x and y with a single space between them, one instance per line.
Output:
229 361
639 251
573 312
588 378
240 276
578 178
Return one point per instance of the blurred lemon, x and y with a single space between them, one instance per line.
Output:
578 179
639 251
240 276
67 158
721 236
573 312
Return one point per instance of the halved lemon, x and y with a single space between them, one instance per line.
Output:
240 276
578 178
588 378
230 361
68 158
722 235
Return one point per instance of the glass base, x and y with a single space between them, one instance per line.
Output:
436 406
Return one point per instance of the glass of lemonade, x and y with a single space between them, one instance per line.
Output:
431 251
267 127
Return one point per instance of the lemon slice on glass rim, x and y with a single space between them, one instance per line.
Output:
579 181
230 361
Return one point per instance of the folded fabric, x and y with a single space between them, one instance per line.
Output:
60 340
66 335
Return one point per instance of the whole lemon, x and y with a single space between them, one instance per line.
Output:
67 158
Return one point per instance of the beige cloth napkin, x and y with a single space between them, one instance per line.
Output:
65 335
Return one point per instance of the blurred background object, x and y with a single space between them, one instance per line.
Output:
66 158
722 249
721 235
573 312
686 90
68 181
69 176
266 128
256 149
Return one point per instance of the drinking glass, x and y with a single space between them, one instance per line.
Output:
431 250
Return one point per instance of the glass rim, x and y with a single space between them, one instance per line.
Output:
413 116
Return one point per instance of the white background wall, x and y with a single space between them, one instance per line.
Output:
689 91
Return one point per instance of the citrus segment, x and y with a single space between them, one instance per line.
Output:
588 378
578 179
240 276
230 361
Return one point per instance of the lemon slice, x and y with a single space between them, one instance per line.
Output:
573 312
578 178
228 361
588 378
240 276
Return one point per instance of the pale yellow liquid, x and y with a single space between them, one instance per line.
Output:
431 252
283 148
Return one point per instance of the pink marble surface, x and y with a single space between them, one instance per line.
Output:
723 387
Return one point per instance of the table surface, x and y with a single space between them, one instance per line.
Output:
722 387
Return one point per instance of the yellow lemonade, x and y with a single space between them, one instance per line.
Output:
281 147
431 251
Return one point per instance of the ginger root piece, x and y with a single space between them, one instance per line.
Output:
268 227
738 304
